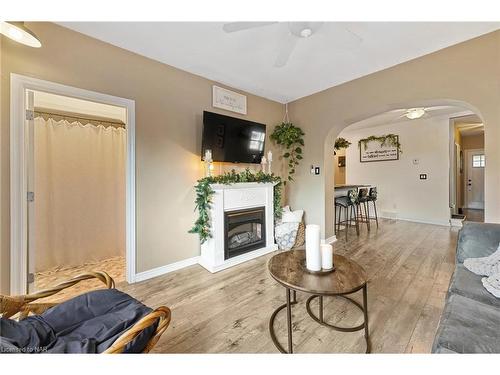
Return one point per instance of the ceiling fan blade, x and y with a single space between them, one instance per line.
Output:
232 27
286 48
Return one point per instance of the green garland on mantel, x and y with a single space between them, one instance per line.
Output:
204 194
384 140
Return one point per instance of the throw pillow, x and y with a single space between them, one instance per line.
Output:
292 216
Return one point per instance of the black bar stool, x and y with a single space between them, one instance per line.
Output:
348 204
372 197
362 205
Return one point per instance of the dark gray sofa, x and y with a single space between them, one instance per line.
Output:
471 318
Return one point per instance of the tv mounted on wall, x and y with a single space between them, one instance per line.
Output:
232 140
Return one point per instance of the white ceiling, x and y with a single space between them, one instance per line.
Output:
244 60
397 116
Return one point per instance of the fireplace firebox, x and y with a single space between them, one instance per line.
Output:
245 230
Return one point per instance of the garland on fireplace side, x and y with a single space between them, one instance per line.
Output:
204 193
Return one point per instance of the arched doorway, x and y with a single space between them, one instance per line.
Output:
432 177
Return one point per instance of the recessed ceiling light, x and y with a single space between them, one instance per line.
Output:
20 33
415 113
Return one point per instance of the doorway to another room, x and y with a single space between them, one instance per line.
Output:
78 173
72 184
471 160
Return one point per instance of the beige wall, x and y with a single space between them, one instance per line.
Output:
169 106
401 193
470 142
454 75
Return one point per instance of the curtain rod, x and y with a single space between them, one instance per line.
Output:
92 119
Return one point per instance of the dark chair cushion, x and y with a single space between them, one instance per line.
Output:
468 284
468 326
89 323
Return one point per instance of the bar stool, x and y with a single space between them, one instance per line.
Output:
349 206
362 205
372 197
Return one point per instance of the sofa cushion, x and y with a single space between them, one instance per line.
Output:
477 240
89 323
469 285
468 326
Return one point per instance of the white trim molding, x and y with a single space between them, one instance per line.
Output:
329 240
158 271
18 172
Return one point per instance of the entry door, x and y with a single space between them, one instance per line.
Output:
474 182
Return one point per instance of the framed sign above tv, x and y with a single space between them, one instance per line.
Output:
374 151
229 100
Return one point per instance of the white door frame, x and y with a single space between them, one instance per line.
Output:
19 164
467 153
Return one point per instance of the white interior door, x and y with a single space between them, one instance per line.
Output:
30 179
474 179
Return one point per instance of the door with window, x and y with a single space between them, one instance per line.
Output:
474 179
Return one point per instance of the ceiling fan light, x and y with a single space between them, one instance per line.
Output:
415 113
306 32
20 33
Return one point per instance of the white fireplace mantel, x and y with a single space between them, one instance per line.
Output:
234 197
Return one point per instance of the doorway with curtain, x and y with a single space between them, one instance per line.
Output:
79 179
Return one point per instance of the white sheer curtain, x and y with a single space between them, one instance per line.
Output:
80 193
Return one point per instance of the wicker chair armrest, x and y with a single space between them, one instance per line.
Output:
163 314
100 275
11 305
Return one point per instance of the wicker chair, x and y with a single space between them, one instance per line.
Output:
19 307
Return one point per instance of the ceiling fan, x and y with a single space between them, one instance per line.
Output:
418 112
296 31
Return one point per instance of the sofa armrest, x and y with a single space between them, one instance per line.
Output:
477 240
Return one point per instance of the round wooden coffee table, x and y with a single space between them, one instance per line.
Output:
289 269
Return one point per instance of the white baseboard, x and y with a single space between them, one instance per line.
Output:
236 260
433 222
158 271
329 240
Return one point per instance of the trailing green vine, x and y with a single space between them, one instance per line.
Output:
384 140
341 143
204 194
289 137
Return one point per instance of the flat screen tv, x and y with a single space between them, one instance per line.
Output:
232 140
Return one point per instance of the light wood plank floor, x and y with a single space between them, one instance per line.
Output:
409 267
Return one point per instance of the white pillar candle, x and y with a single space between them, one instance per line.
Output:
326 256
313 252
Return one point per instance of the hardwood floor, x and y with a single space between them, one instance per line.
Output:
409 266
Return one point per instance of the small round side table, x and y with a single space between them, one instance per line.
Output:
289 269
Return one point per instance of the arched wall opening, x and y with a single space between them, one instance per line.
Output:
457 109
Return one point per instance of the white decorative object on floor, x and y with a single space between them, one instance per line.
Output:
286 235
313 252
269 161
492 284
236 197
292 216
326 256
485 266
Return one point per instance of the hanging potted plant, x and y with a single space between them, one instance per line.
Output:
290 138
340 143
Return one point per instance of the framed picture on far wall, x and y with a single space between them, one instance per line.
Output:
373 150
